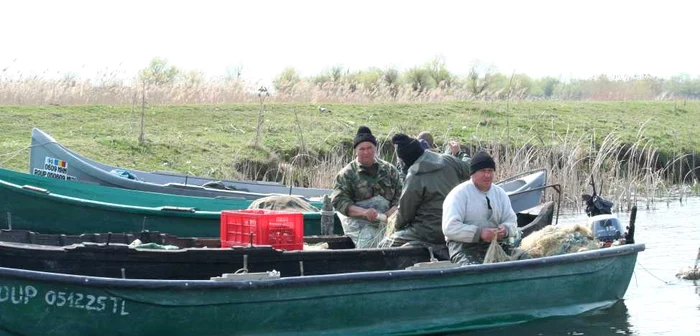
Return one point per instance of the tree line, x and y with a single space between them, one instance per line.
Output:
485 83
163 83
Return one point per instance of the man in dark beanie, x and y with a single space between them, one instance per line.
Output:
426 141
364 134
476 212
430 177
480 161
366 191
407 149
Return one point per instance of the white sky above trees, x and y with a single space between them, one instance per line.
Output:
568 39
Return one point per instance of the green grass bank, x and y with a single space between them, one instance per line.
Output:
217 140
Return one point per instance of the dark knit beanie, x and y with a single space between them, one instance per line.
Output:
481 160
363 134
408 149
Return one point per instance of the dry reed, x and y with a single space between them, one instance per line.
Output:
625 174
75 91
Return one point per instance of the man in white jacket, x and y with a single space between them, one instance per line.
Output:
476 212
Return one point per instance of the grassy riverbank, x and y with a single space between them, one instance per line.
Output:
217 140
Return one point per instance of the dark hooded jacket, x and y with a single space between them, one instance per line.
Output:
428 182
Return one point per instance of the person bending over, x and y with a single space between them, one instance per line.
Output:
430 178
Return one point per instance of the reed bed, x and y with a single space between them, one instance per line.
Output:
60 92
72 92
627 174
76 91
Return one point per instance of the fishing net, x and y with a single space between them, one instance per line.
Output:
390 225
691 273
137 244
495 253
559 239
315 247
366 234
287 203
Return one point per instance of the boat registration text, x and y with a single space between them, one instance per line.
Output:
22 295
54 168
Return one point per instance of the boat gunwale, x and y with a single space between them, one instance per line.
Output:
91 281
521 175
159 211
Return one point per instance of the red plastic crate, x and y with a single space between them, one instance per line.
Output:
282 230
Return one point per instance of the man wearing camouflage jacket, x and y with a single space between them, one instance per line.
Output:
365 191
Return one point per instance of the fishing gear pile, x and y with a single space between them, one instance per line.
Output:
288 203
559 239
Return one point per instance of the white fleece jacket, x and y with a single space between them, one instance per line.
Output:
465 212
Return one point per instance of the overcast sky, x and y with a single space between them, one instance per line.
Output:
576 39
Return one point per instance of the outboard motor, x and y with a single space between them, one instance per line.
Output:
607 229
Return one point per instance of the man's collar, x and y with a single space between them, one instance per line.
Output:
372 170
360 164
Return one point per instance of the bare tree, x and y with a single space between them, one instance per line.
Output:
262 94
480 78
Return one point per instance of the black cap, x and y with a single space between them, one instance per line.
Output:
481 160
363 134
408 149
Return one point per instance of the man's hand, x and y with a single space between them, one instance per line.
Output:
502 232
488 234
371 214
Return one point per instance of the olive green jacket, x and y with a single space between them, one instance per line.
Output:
428 182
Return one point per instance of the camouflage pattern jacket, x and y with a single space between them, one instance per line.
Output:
354 183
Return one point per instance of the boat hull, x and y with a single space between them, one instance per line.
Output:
388 302
53 206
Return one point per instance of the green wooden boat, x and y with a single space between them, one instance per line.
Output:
54 206
426 298
117 255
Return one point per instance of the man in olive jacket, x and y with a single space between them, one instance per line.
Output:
431 176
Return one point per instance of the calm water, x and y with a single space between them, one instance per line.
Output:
656 302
